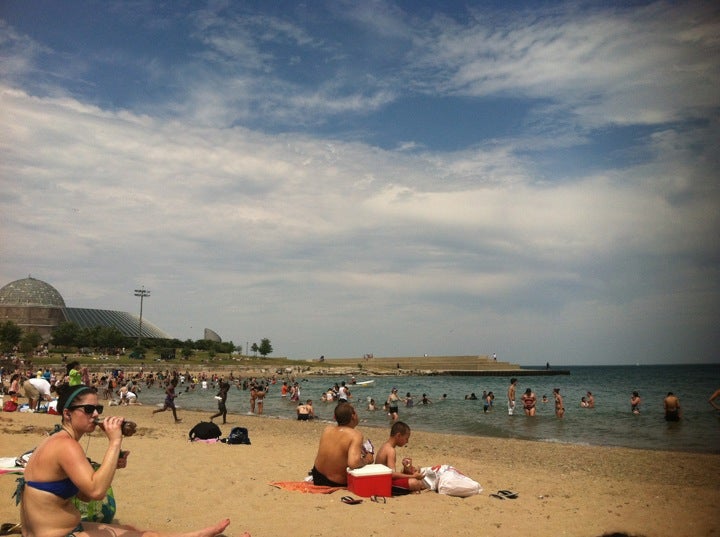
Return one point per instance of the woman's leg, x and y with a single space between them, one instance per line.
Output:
95 529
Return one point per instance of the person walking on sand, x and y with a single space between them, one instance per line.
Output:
635 403
222 400
341 447
672 407
59 470
511 396
559 407
170 396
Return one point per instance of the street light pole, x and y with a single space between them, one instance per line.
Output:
142 293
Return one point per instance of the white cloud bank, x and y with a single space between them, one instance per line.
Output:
334 247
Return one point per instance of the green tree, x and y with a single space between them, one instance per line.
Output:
255 348
65 334
10 335
30 342
265 348
109 337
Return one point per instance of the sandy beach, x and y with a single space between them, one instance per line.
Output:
172 484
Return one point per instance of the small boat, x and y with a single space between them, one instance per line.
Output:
364 383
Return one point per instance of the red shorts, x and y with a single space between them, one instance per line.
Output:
401 486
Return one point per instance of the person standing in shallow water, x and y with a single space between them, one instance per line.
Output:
529 401
672 407
511 396
559 406
635 403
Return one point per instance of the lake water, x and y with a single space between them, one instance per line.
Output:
610 423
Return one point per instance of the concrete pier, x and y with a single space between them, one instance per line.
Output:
480 365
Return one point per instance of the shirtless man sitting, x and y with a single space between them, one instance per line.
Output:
409 480
341 447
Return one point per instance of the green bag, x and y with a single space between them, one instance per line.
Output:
97 510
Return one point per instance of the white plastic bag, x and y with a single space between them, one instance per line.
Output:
446 479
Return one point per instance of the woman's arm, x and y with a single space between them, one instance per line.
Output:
93 484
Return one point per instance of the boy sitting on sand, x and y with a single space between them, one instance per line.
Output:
409 480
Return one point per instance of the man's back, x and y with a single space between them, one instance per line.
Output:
334 452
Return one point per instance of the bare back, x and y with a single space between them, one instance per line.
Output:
339 449
386 456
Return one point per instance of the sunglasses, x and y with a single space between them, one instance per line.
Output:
88 409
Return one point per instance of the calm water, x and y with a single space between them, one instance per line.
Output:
610 423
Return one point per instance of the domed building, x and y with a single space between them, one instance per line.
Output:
36 305
211 335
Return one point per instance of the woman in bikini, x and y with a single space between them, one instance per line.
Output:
59 470
529 400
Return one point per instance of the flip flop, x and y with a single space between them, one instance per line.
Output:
509 494
350 500
8 528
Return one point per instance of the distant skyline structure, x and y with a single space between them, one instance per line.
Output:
36 305
211 335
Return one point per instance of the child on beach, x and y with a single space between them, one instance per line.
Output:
409 480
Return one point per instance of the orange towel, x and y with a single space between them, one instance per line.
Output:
304 486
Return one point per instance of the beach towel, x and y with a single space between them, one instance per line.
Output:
305 486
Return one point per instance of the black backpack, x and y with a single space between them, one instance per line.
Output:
238 435
205 430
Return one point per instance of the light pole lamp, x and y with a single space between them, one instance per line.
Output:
142 293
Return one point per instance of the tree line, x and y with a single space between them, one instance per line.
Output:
108 340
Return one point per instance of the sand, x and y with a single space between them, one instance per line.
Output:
174 485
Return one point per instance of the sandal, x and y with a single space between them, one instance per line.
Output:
505 495
350 500
378 499
8 528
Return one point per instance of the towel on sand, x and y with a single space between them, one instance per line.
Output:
304 486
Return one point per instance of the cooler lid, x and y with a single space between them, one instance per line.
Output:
370 469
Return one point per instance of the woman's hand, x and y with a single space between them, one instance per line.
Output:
122 461
112 427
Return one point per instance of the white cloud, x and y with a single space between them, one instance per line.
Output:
650 65
335 247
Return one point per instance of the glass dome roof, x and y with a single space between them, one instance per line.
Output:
30 292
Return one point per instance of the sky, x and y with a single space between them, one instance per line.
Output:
533 179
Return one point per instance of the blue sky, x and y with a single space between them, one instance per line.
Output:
535 179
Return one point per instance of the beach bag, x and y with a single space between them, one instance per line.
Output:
97 510
238 435
10 406
205 430
92 511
